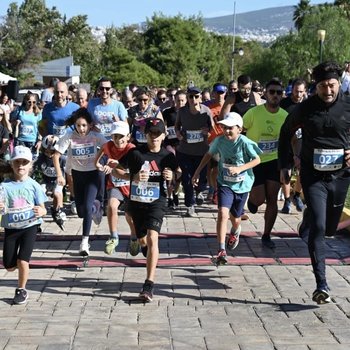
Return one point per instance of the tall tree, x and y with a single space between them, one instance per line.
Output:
300 11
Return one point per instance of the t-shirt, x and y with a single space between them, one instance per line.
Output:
28 128
21 197
45 165
56 117
119 154
105 115
264 127
169 116
82 150
235 153
155 188
194 143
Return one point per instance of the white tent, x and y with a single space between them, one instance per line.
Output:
4 78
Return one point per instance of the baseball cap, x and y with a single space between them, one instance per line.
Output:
154 125
194 90
232 119
120 128
219 87
21 152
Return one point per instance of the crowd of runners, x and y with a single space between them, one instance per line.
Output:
237 146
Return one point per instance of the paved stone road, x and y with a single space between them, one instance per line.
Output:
261 300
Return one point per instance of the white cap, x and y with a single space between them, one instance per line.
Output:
232 119
21 152
121 128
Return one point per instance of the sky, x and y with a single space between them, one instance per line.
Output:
124 12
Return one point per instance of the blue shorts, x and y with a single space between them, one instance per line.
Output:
232 200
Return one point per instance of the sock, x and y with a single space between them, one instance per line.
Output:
114 234
287 199
149 282
222 246
85 239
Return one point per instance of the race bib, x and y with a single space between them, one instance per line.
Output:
27 130
144 192
59 130
83 151
268 146
141 137
20 217
194 136
231 178
171 132
119 182
328 159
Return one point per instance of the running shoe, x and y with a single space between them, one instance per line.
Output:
221 258
21 296
268 242
147 291
321 296
84 249
233 238
199 198
134 247
111 244
97 212
191 212
298 203
287 207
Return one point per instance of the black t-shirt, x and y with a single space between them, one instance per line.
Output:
169 116
158 162
288 104
4 134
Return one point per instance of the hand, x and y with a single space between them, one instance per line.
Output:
179 135
195 179
234 170
39 211
61 180
285 175
167 174
143 175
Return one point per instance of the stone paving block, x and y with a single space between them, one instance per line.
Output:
22 347
195 343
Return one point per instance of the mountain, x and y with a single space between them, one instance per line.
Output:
262 25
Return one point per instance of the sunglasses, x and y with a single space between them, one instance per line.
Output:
105 88
194 96
143 99
273 92
31 102
2 114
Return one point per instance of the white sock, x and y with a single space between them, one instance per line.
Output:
85 239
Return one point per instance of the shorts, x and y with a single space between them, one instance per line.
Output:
116 193
232 200
147 216
18 244
266 172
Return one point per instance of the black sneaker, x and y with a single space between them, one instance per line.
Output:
144 251
21 296
268 242
199 198
171 204
147 291
176 199
252 207
321 295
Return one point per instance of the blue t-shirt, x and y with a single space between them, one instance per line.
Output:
28 128
21 197
235 153
56 117
105 115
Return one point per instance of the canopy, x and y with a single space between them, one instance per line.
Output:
4 78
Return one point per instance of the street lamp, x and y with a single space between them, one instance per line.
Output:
321 34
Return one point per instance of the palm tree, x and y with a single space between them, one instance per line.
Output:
344 5
300 11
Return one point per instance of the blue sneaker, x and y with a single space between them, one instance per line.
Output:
287 207
299 205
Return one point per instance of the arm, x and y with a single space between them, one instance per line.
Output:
226 108
205 160
56 162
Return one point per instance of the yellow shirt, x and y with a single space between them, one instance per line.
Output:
264 127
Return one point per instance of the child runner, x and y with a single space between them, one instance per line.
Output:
81 144
238 155
147 203
23 205
118 183
44 165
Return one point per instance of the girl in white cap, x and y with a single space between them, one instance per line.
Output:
22 205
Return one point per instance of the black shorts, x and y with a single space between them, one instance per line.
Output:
266 172
147 216
18 244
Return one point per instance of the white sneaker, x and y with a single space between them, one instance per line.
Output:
73 208
84 249
97 212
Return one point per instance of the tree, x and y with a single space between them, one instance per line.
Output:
300 12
